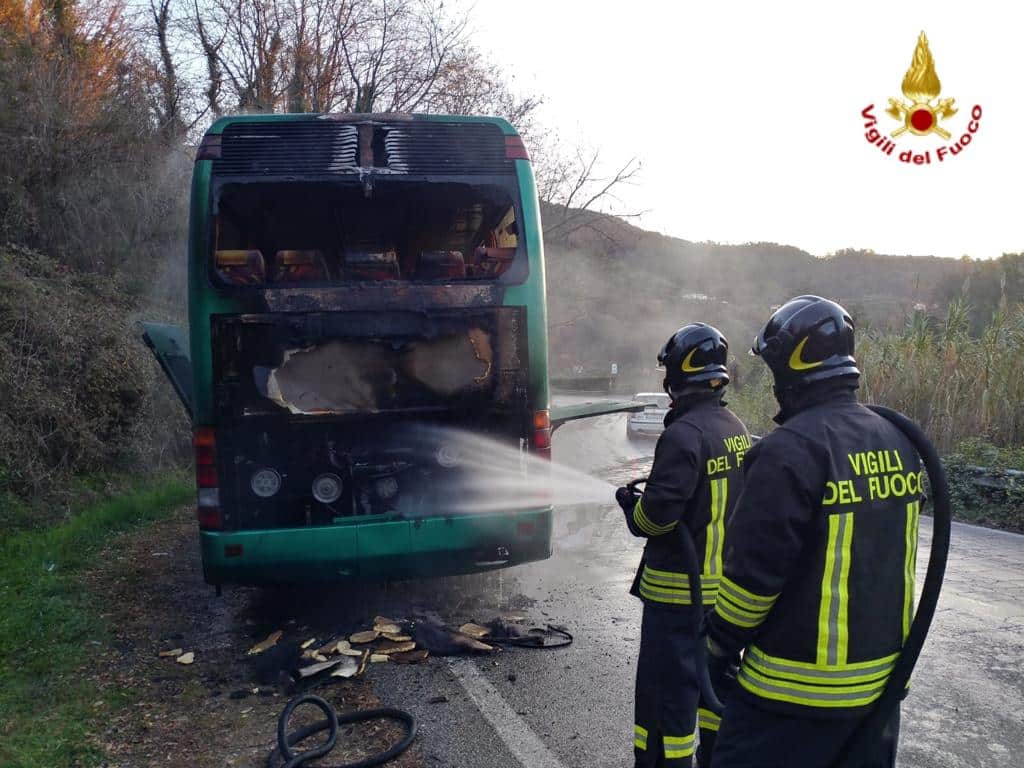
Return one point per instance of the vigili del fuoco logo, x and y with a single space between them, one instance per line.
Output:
921 114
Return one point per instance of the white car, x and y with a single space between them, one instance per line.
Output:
650 421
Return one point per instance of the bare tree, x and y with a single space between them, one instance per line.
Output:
581 196
346 55
169 110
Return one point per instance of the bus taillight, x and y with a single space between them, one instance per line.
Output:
207 483
542 434
515 149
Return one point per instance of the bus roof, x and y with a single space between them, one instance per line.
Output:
220 124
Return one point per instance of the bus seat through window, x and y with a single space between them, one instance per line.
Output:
240 267
292 266
441 265
493 261
365 265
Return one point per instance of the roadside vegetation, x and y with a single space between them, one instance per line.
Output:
966 389
50 629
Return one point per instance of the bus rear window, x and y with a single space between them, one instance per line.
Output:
300 233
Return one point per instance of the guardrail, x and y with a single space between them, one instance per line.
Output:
998 479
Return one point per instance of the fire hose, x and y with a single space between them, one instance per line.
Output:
853 752
293 759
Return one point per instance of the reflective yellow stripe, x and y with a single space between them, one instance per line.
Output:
668 578
746 599
708 720
639 737
833 626
678 746
745 613
672 597
910 565
715 533
821 696
673 587
645 524
741 607
725 610
789 670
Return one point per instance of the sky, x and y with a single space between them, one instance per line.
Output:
746 116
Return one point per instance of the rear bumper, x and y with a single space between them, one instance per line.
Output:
375 551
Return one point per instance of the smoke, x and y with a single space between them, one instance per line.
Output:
161 433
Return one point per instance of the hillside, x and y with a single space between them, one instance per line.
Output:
616 291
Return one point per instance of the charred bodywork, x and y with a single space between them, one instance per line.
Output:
359 287
361 399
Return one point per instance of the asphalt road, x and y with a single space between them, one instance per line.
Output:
573 707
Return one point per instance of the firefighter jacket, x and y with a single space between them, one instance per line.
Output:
818 585
694 482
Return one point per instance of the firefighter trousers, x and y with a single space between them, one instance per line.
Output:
666 688
752 737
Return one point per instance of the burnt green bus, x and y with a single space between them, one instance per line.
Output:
360 285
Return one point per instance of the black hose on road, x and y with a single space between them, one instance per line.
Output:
855 751
293 759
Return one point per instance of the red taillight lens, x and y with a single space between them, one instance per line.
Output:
206 457
206 477
209 148
209 518
542 434
515 149
208 501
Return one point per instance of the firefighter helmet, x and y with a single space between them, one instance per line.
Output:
695 354
808 339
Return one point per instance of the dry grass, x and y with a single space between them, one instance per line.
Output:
79 394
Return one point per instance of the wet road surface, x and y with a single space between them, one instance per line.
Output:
573 707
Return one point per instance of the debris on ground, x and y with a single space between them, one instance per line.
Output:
410 657
433 635
346 667
316 669
301 662
474 630
360 638
389 646
270 642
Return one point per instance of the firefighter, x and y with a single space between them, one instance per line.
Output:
818 584
694 482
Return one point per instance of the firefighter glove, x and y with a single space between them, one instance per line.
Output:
627 498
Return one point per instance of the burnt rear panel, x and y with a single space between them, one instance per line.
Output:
332 415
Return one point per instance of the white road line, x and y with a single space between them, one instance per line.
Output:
520 739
